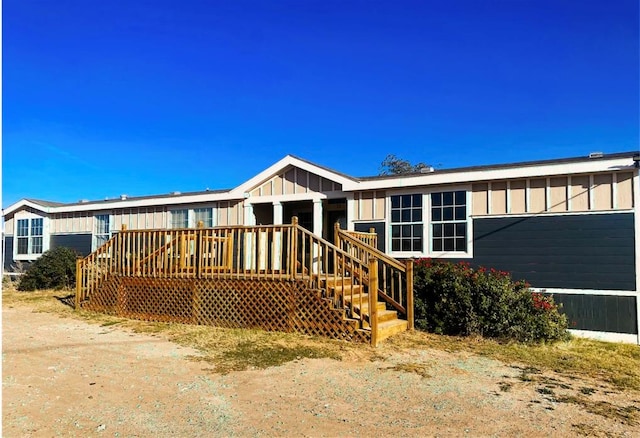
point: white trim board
(626, 338)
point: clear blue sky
(148, 97)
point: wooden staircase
(355, 301)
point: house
(568, 226)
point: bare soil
(65, 377)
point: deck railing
(395, 279)
(276, 252)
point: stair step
(387, 315)
(390, 328)
(347, 289)
(329, 281)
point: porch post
(317, 217)
(317, 230)
(277, 213)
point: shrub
(455, 299)
(54, 269)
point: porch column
(351, 206)
(249, 217)
(277, 236)
(317, 217)
(317, 230)
(277, 213)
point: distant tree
(393, 165)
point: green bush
(54, 269)
(455, 299)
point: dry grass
(239, 349)
(614, 363)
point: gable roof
(285, 163)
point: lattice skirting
(275, 305)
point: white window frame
(195, 216)
(94, 230)
(30, 255)
(174, 211)
(469, 232)
(427, 244)
(390, 225)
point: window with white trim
(30, 236)
(205, 215)
(180, 218)
(102, 230)
(407, 228)
(449, 221)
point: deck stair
(277, 277)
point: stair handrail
(93, 269)
(361, 247)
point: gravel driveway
(65, 377)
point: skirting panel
(273, 305)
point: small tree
(393, 165)
(55, 269)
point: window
(205, 215)
(103, 230)
(180, 219)
(30, 233)
(449, 221)
(406, 223)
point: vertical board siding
(8, 253)
(601, 313)
(480, 199)
(580, 193)
(594, 251)
(538, 195)
(518, 195)
(558, 202)
(560, 194)
(8, 226)
(602, 192)
(624, 190)
(498, 198)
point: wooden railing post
(336, 234)
(410, 308)
(373, 299)
(294, 247)
(198, 249)
(79, 278)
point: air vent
(123, 197)
(83, 201)
(175, 193)
(596, 155)
(427, 169)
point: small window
(103, 230)
(205, 215)
(180, 219)
(406, 223)
(449, 221)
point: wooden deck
(276, 277)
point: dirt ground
(65, 377)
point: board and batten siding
(599, 313)
(230, 213)
(561, 194)
(369, 205)
(295, 181)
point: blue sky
(147, 97)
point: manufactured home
(570, 227)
